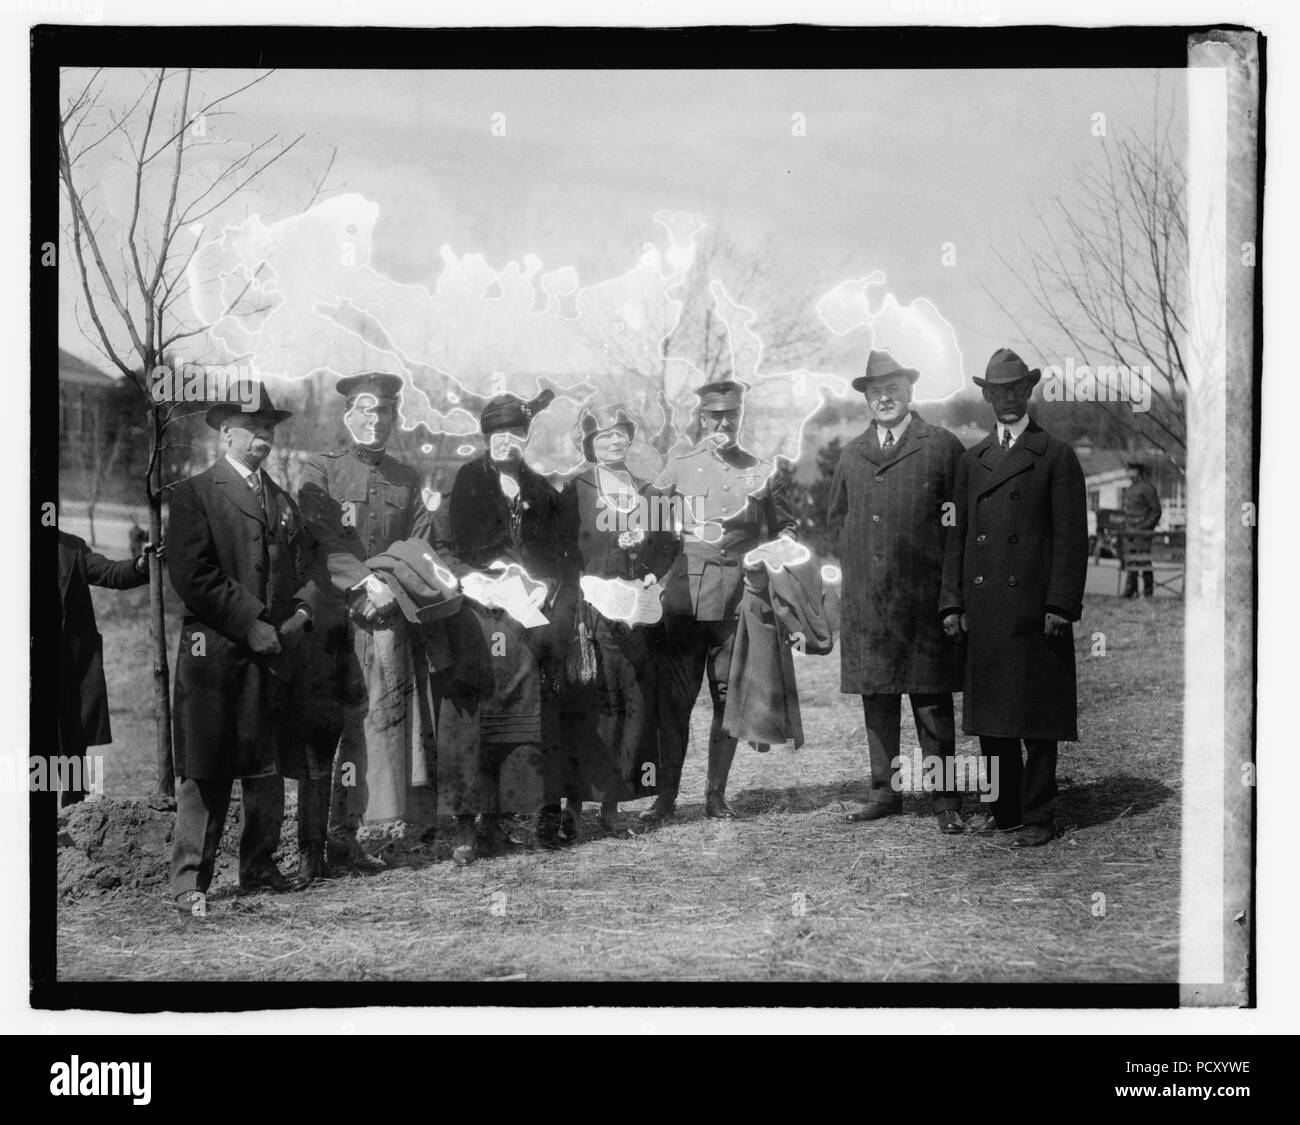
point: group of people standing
(358, 638)
(393, 648)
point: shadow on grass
(1080, 806)
(1109, 799)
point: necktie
(1006, 439)
(888, 443)
(255, 483)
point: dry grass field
(789, 893)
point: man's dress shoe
(988, 825)
(1032, 836)
(874, 809)
(346, 851)
(661, 810)
(274, 880)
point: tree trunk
(158, 631)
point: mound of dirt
(114, 845)
(117, 845)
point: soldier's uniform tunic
(728, 505)
(360, 502)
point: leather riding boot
(313, 819)
(722, 751)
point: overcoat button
(979, 580)
(1013, 539)
(1011, 581)
(875, 519)
(1015, 496)
(980, 538)
(875, 558)
(879, 477)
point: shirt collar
(1016, 428)
(242, 469)
(897, 429)
(367, 456)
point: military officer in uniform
(727, 502)
(359, 500)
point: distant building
(83, 388)
(102, 444)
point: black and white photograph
(584, 509)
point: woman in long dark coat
(607, 729)
(500, 509)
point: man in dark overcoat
(239, 564)
(1014, 573)
(888, 500)
(359, 500)
(729, 501)
(83, 694)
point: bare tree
(133, 268)
(688, 326)
(1105, 278)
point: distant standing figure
(1142, 512)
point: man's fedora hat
(384, 385)
(1005, 367)
(249, 399)
(880, 365)
(601, 419)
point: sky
(829, 175)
